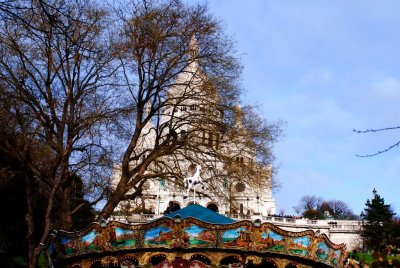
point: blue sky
(324, 67)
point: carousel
(193, 237)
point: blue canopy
(200, 213)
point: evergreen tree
(376, 230)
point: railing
(239, 216)
(135, 218)
(284, 221)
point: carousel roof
(200, 213)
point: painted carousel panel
(322, 251)
(197, 236)
(336, 257)
(270, 240)
(299, 245)
(124, 238)
(236, 238)
(158, 236)
(90, 242)
(70, 245)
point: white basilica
(218, 190)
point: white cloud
(387, 89)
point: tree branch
(374, 131)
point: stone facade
(220, 191)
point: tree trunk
(66, 213)
(108, 208)
(29, 219)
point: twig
(381, 152)
(375, 130)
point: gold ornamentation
(175, 243)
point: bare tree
(181, 73)
(23, 11)
(341, 210)
(311, 206)
(156, 85)
(310, 202)
(56, 93)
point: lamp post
(258, 204)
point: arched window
(172, 206)
(213, 207)
(175, 206)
